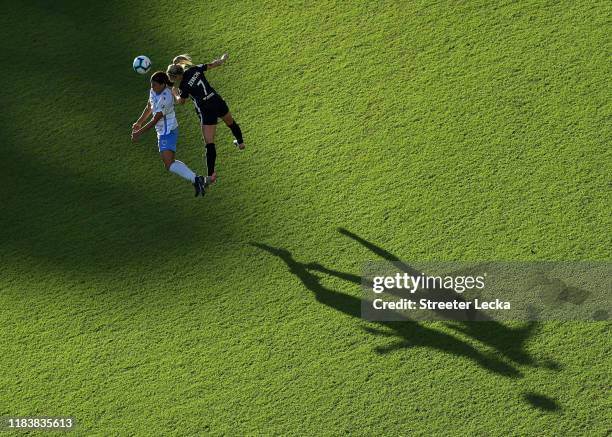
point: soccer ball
(141, 64)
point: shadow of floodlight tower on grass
(509, 342)
(411, 334)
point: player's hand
(135, 136)
(175, 91)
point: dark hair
(161, 77)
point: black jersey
(195, 85)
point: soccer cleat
(200, 186)
(239, 146)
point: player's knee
(168, 163)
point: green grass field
(475, 130)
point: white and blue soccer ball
(141, 64)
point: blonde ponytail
(183, 60)
(179, 65)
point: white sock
(179, 168)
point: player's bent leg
(227, 118)
(181, 169)
(167, 157)
(235, 128)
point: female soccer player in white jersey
(191, 82)
(161, 107)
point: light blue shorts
(168, 142)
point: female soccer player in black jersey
(190, 81)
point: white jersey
(164, 103)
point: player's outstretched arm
(145, 114)
(217, 62)
(137, 133)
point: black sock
(236, 131)
(211, 156)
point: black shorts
(211, 110)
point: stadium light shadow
(409, 333)
(506, 340)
